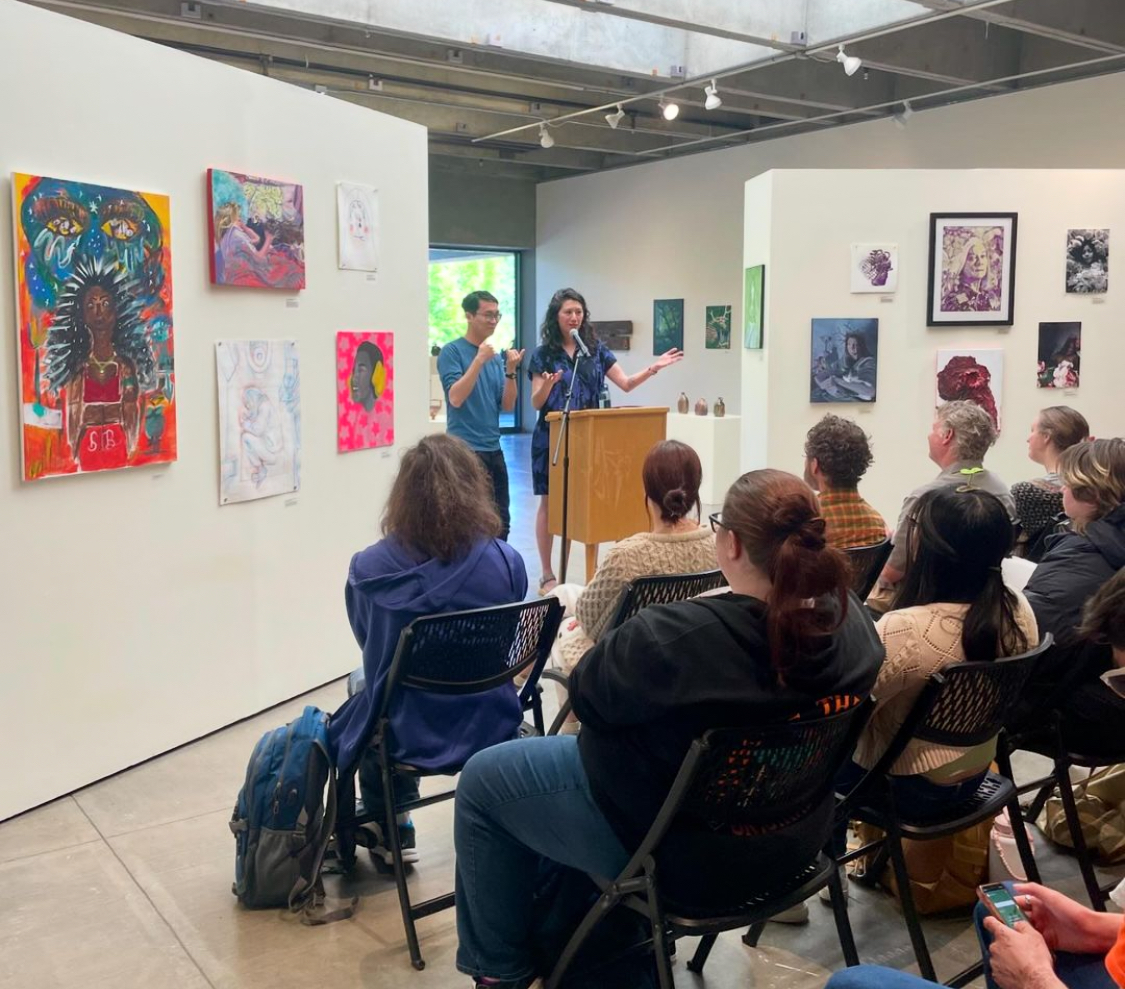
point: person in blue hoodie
(439, 553)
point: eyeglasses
(716, 521)
(491, 317)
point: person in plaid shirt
(837, 455)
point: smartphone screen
(997, 898)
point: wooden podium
(607, 496)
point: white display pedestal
(717, 443)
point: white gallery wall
(811, 218)
(137, 614)
(673, 229)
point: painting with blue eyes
(94, 298)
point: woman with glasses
(788, 641)
(552, 374)
(439, 552)
(951, 607)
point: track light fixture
(613, 119)
(670, 110)
(712, 92)
(850, 63)
(903, 115)
(545, 139)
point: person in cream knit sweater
(951, 607)
(677, 543)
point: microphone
(582, 349)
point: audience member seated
(1063, 945)
(676, 543)
(951, 607)
(788, 641)
(837, 455)
(1074, 568)
(1039, 502)
(960, 437)
(439, 553)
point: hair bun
(811, 532)
(676, 503)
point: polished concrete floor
(126, 883)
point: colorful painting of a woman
(972, 269)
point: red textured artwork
(365, 392)
(973, 375)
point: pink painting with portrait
(365, 394)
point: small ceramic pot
(682, 404)
(701, 407)
(720, 408)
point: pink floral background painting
(365, 394)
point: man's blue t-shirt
(477, 421)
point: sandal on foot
(547, 578)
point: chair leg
(753, 932)
(702, 950)
(606, 902)
(345, 823)
(1081, 850)
(659, 932)
(1015, 817)
(843, 922)
(395, 841)
(909, 912)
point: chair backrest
(966, 704)
(867, 563)
(766, 777)
(469, 652)
(663, 589)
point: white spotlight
(545, 139)
(850, 63)
(670, 110)
(712, 92)
(903, 115)
(613, 119)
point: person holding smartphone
(1061, 945)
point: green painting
(718, 328)
(667, 325)
(754, 307)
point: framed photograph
(972, 279)
(1087, 261)
(874, 268)
(845, 360)
(1060, 355)
(718, 328)
(754, 307)
(667, 325)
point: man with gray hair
(960, 437)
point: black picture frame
(952, 298)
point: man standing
(837, 455)
(959, 438)
(478, 383)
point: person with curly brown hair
(837, 455)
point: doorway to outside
(454, 274)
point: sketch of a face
(359, 226)
(976, 261)
(259, 355)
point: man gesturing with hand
(478, 384)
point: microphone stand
(564, 442)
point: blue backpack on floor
(281, 822)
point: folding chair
(635, 597)
(463, 652)
(963, 705)
(766, 779)
(867, 563)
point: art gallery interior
(153, 629)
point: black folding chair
(766, 779)
(867, 563)
(963, 705)
(463, 652)
(1050, 742)
(635, 597)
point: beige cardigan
(920, 641)
(641, 555)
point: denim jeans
(519, 803)
(1074, 971)
(371, 786)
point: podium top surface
(622, 412)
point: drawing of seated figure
(262, 440)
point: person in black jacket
(788, 641)
(1074, 568)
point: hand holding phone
(1001, 903)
